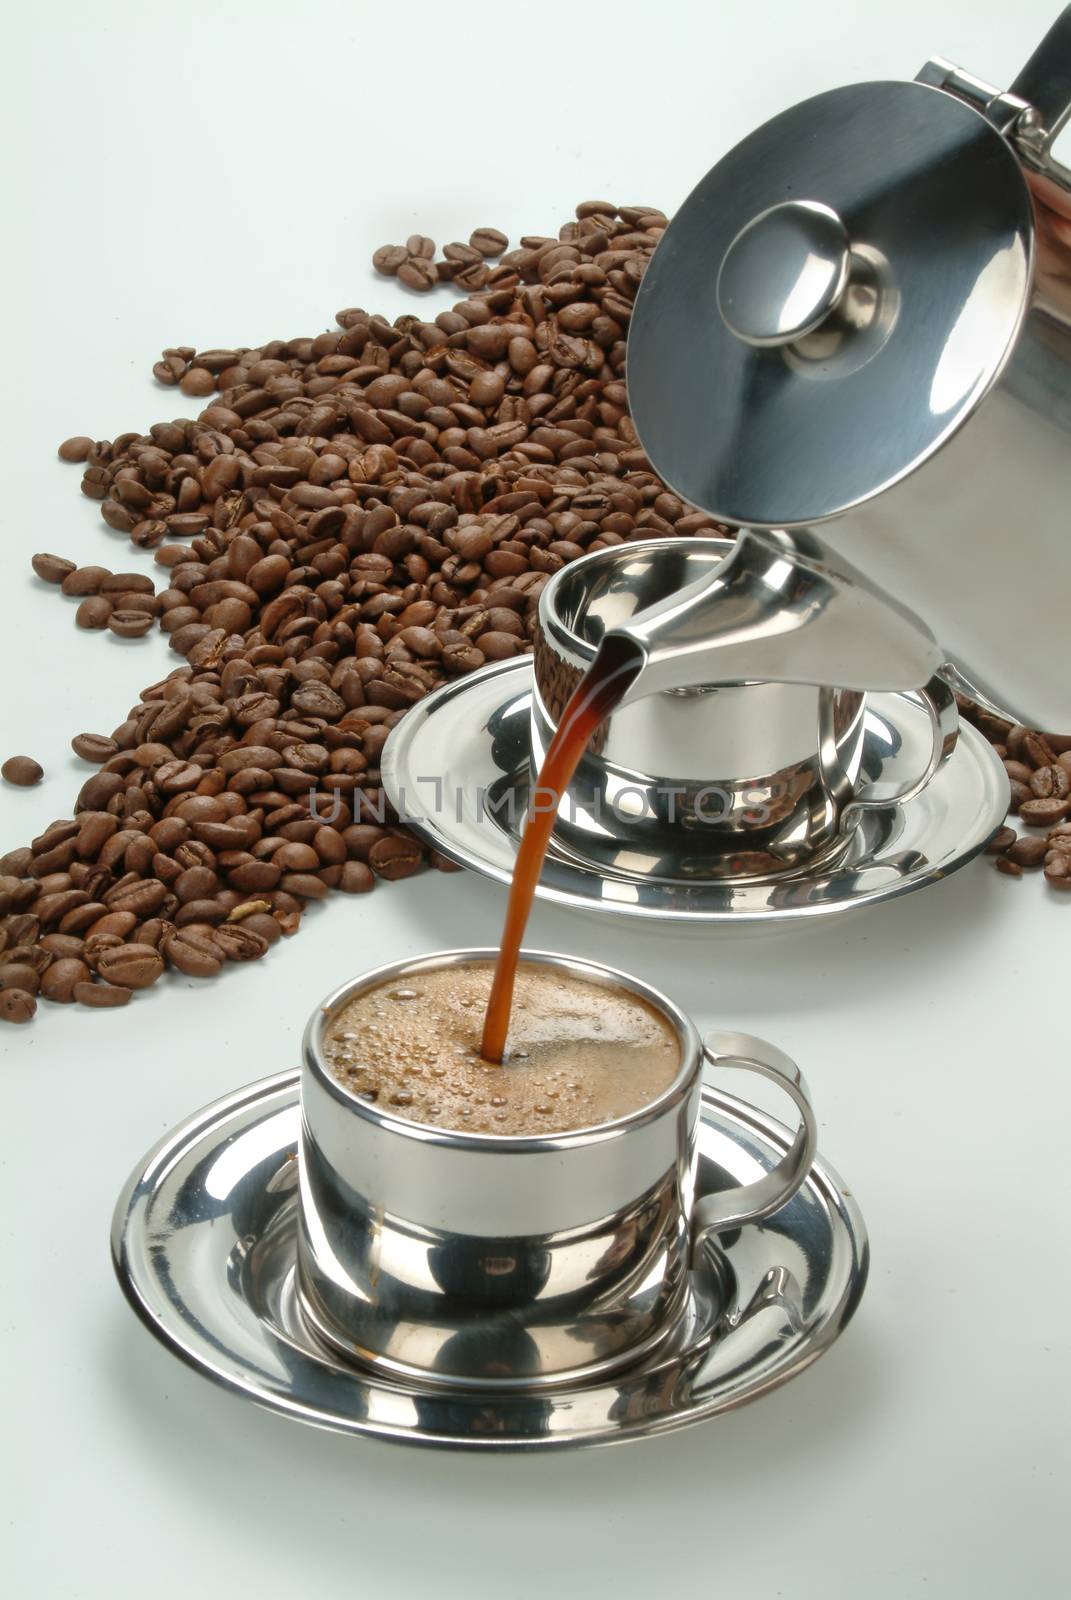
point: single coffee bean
(395, 857)
(16, 1005)
(417, 273)
(22, 771)
(20, 975)
(442, 863)
(95, 747)
(1041, 812)
(52, 569)
(1052, 782)
(63, 946)
(388, 258)
(194, 951)
(59, 979)
(1010, 868)
(1029, 851)
(75, 449)
(131, 966)
(1001, 841)
(197, 381)
(356, 878)
(94, 612)
(488, 241)
(101, 994)
(462, 254)
(240, 942)
(420, 246)
(130, 624)
(83, 581)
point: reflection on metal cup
(755, 775)
(472, 1258)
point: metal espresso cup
(490, 1260)
(730, 780)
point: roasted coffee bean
(388, 258)
(101, 994)
(62, 946)
(395, 857)
(356, 878)
(83, 581)
(194, 951)
(488, 241)
(95, 747)
(94, 612)
(1010, 868)
(1001, 841)
(129, 624)
(20, 975)
(239, 942)
(1040, 813)
(59, 979)
(1029, 851)
(417, 273)
(22, 771)
(76, 449)
(131, 966)
(52, 569)
(16, 1005)
(266, 925)
(420, 246)
(1051, 782)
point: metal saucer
(457, 768)
(203, 1243)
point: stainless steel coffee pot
(855, 339)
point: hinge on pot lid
(999, 106)
(1035, 108)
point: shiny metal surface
(204, 1243)
(933, 195)
(731, 727)
(931, 444)
(765, 765)
(458, 767)
(486, 1261)
(783, 274)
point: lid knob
(784, 273)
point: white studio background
(215, 174)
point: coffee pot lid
(830, 303)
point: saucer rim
(433, 833)
(219, 1117)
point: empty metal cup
(473, 1258)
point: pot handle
(1045, 82)
(731, 1208)
(939, 703)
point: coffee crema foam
(578, 1053)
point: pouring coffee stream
(776, 608)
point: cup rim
(550, 618)
(458, 1138)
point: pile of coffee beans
(1039, 771)
(363, 515)
(353, 519)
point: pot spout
(779, 608)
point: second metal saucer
(457, 769)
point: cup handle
(731, 1208)
(939, 703)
